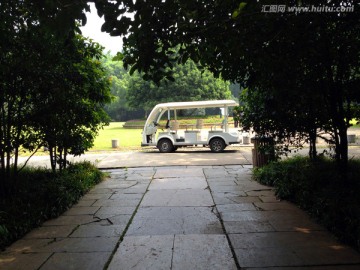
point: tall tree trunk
(65, 157)
(61, 165)
(52, 153)
(343, 148)
(312, 150)
(7, 145)
(340, 138)
(15, 164)
(8, 162)
(342, 128)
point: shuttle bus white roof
(196, 104)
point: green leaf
(235, 14)
(242, 5)
(118, 57)
(133, 69)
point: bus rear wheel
(217, 145)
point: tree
(132, 94)
(316, 75)
(189, 84)
(119, 109)
(44, 78)
(69, 110)
(289, 120)
(18, 78)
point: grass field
(128, 138)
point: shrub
(38, 194)
(320, 188)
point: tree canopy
(189, 84)
(118, 109)
(132, 94)
(52, 88)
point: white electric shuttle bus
(171, 137)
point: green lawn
(355, 124)
(128, 138)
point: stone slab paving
(180, 217)
(176, 226)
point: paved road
(180, 217)
(233, 155)
(152, 157)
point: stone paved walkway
(195, 217)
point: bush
(37, 195)
(329, 195)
